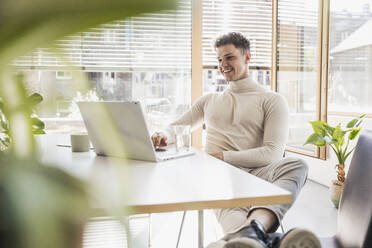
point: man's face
(232, 63)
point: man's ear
(247, 57)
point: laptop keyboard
(166, 153)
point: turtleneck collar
(247, 84)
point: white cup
(80, 142)
(182, 137)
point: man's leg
(288, 173)
(266, 217)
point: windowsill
(63, 125)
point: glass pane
(350, 57)
(251, 17)
(145, 58)
(163, 95)
(297, 65)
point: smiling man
(247, 126)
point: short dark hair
(235, 38)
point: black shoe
(295, 238)
(252, 236)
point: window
(251, 17)
(297, 63)
(145, 58)
(350, 74)
(350, 61)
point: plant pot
(336, 190)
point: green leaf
(329, 129)
(4, 125)
(338, 135)
(352, 123)
(37, 123)
(347, 155)
(354, 133)
(360, 120)
(38, 132)
(316, 139)
(319, 127)
(329, 140)
(356, 122)
(34, 99)
(5, 141)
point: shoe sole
(243, 243)
(300, 238)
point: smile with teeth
(226, 70)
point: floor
(313, 210)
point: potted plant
(338, 139)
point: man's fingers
(163, 141)
(159, 139)
(155, 140)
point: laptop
(119, 129)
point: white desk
(192, 183)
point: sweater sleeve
(276, 129)
(195, 116)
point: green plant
(37, 126)
(337, 138)
(26, 185)
(41, 206)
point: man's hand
(159, 140)
(218, 155)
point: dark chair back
(354, 227)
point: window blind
(251, 17)
(297, 34)
(156, 41)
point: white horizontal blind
(156, 41)
(297, 34)
(251, 17)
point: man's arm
(275, 137)
(194, 117)
(218, 155)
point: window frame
(322, 78)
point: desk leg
(201, 228)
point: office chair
(354, 225)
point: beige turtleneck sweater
(247, 122)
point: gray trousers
(288, 173)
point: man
(247, 126)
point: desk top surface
(190, 183)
